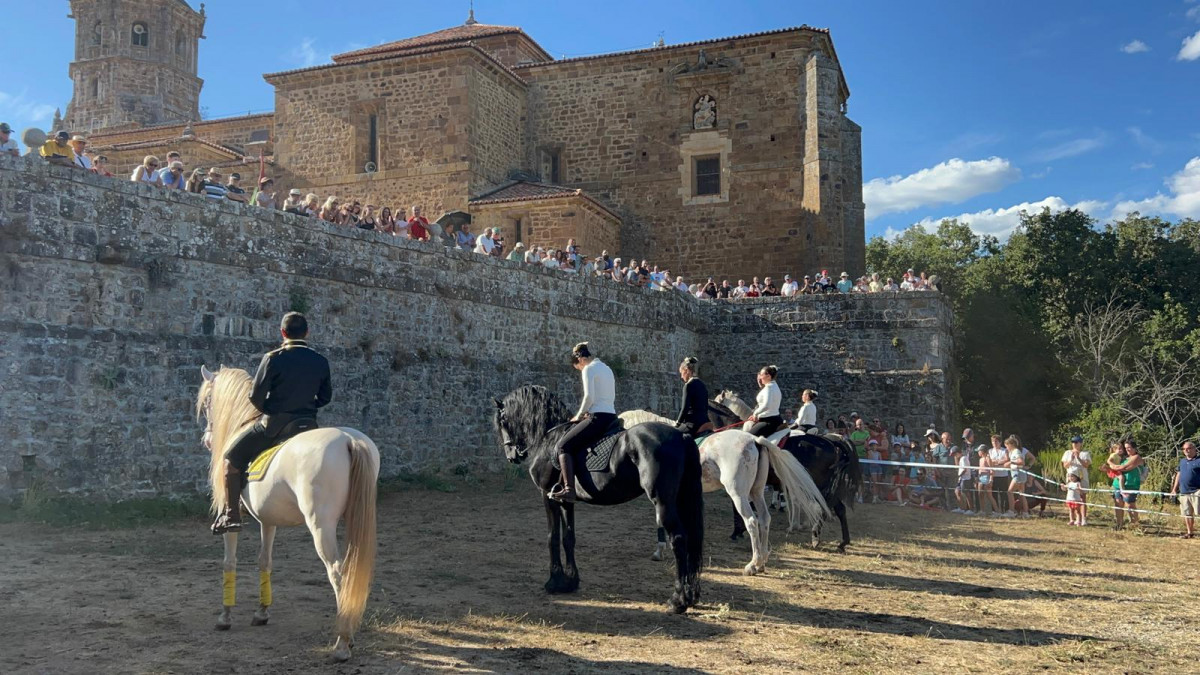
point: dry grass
(459, 589)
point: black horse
(830, 460)
(653, 459)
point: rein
(729, 426)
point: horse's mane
(229, 412)
(531, 410)
(730, 395)
(631, 418)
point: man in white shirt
(78, 143)
(998, 456)
(679, 285)
(789, 286)
(740, 290)
(8, 145)
(484, 243)
(907, 284)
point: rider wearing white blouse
(596, 413)
(766, 416)
(806, 421)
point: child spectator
(985, 481)
(962, 490)
(1016, 485)
(1074, 499)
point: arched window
(98, 34)
(141, 35)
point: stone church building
(729, 157)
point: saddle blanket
(598, 455)
(258, 468)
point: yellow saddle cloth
(258, 468)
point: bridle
(206, 439)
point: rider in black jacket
(292, 382)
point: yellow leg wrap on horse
(264, 589)
(229, 588)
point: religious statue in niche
(705, 113)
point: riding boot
(566, 493)
(230, 519)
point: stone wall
(112, 294)
(550, 223)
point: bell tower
(135, 63)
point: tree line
(1070, 327)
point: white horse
(739, 463)
(317, 478)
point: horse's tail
(359, 564)
(846, 479)
(691, 507)
(804, 500)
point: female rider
(693, 413)
(595, 416)
(766, 416)
(806, 421)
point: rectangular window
(554, 164)
(373, 141)
(708, 176)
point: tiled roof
(407, 52)
(165, 125)
(675, 46)
(525, 191)
(172, 141)
(456, 34)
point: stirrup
(561, 495)
(224, 523)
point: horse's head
(522, 418)
(506, 431)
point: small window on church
(708, 176)
(552, 165)
(373, 141)
(180, 44)
(141, 35)
(98, 34)
(95, 87)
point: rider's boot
(566, 493)
(230, 519)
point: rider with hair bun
(806, 420)
(693, 412)
(597, 411)
(766, 417)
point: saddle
(258, 467)
(600, 453)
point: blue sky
(968, 107)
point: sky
(969, 109)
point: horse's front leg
(228, 582)
(569, 546)
(263, 615)
(557, 583)
(840, 510)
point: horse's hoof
(657, 556)
(341, 651)
(223, 626)
(676, 606)
(841, 548)
(257, 621)
(750, 570)
(224, 620)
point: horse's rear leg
(325, 538)
(668, 519)
(263, 615)
(759, 502)
(741, 502)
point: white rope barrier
(997, 493)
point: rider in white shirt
(597, 411)
(766, 417)
(806, 420)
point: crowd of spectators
(173, 174)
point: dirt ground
(458, 588)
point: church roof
(449, 36)
(524, 191)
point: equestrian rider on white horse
(292, 382)
(766, 418)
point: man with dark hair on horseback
(292, 382)
(597, 411)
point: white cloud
(1042, 174)
(1135, 47)
(305, 54)
(21, 111)
(1182, 201)
(1070, 148)
(950, 182)
(1142, 166)
(1001, 222)
(1190, 51)
(1145, 141)
(1194, 13)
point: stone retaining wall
(112, 294)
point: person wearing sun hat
(844, 284)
